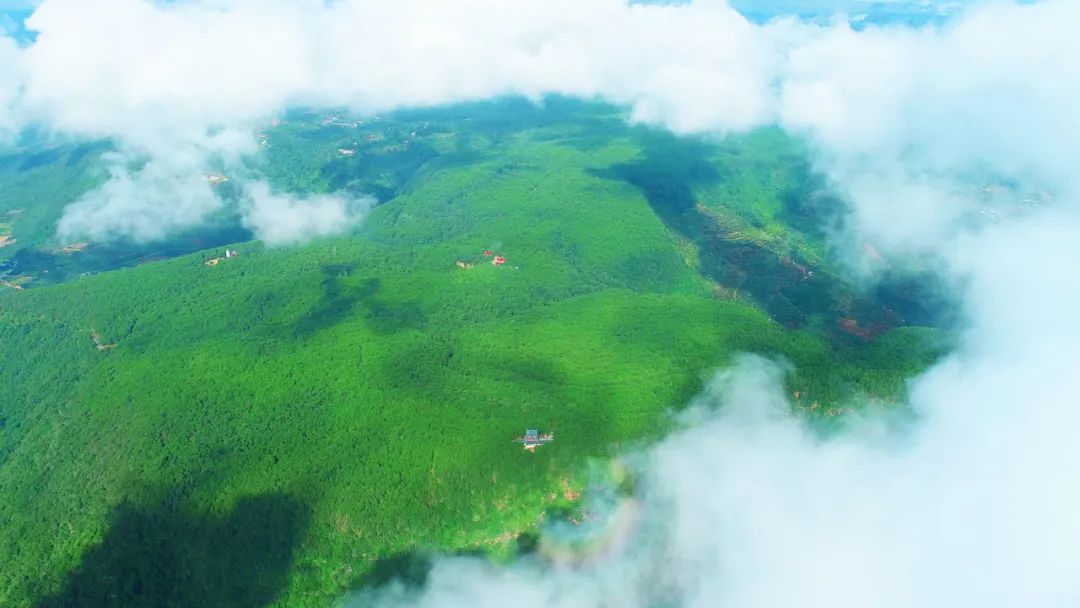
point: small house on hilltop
(74, 248)
(533, 439)
(229, 253)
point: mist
(143, 201)
(282, 219)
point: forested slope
(277, 428)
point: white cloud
(989, 93)
(111, 66)
(912, 124)
(142, 204)
(283, 219)
(158, 77)
(156, 188)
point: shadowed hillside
(165, 557)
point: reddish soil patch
(863, 332)
(74, 248)
(568, 492)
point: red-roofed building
(499, 260)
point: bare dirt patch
(568, 492)
(74, 248)
(863, 332)
(501, 539)
(101, 346)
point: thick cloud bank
(161, 76)
(908, 122)
(133, 67)
(909, 115)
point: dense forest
(286, 425)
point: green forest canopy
(279, 428)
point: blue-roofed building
(533, 439)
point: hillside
(282, 427)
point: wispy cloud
(283, 219)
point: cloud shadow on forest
(342, 298)
(791, 289)
(165, 556)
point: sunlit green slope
(280, 427)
